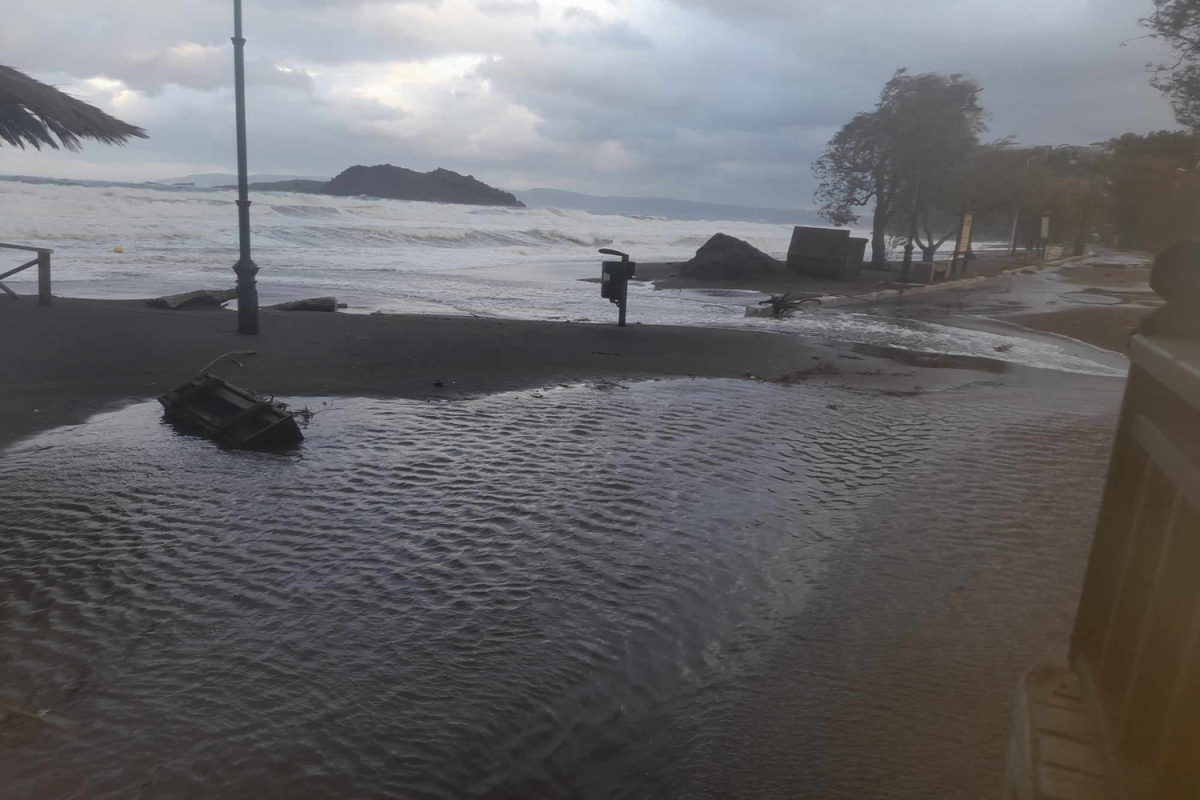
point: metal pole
(1081, 237)
(906, 269)
(958, 242)
(624, 301)
(245, 268)
(1012, 241)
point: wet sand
(1107, 277)
(882, 665)
(70, 360)
(1104, 326)
(665, 275)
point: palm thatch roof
(32, 113)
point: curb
(1044, 265)
(837, 300)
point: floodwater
(667, 589)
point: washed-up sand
(65, 362)
(1103, 326)
(665, 275)
(1126, 279)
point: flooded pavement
(1058, 317)
(665, 589)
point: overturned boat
(230, 415)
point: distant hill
(298, 185)
(211, 180)
(398, 183)
(664, 207)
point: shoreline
(76, 358)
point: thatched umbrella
(33, 113)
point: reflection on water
(568, 592)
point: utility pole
(906, 269)
(1081, 236)
(245, 268)
(1012, 241)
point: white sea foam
(423, 258)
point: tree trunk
(929, 251)
(879, 237)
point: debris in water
(230, 415)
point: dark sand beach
(79, 356)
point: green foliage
(1153, 189)
(1177, 22)
(923, 124)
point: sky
(726, 101)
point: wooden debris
(311, 304)
(201, 298)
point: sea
(127, 241)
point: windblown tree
(1177, 22)
(1152, 188)
(923, 125)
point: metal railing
(1136, 641)
(42, 261)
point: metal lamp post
(906, 269)
(246, 269)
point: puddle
(567, 592)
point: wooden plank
(12, 272)
(8, 246)
(9, 292)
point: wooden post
(43, 262)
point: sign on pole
(962, 243)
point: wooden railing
(43, 264)
(1136, 641)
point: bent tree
(923, 125)
(1177, 22)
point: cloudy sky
(718, 100)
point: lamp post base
(247, 297)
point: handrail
(1136, 642)
(26, 247)
(43, 264)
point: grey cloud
(618, 34)
(510, 7)
(575, 12)
(721, 100)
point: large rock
(825, 252)
(439, 186)
(728, 258)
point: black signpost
(614, 281)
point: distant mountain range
(438, 186)
(664, 207)
(211, 180)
